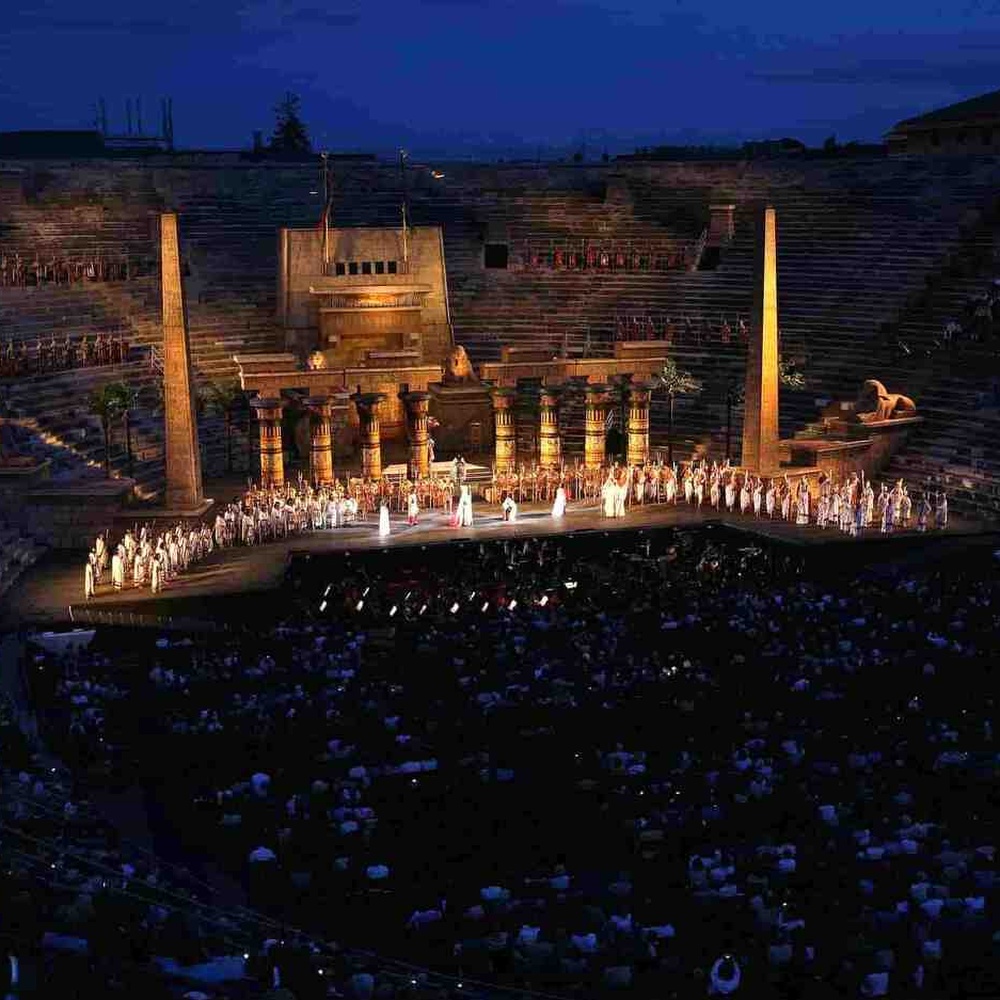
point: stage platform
(53, 587)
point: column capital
(268, 403)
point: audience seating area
(701, 750)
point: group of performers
(20, 272)
(52, 356)
(266, 514)
(143, 558)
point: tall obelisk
(183, 457)
(760, 420)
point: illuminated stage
(47, 592)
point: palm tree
(676, 382)
(127, 400)
(223, 398)
(107, 404)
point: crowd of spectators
(665, 762)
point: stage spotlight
(392, 610)
(544, 600)
(486, 604)
(512, 605)
(326, 593)
(365, 594)
(361, 604)
(322, 606)
(454, 607)
(473, 594)
(570, 585)
(423, 609)
(407, 595)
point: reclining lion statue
(458, 368)
(876, 403)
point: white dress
(559, 507)
(383, 520)
(608, 492)
(465, 508)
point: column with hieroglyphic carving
(504, 430)
(760, 410)
(320, 439)
(371, 435)
(549, 442)
(595, 425)
(637, 424)
(272, 454)
(417, 406)
(183, 453)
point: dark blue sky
(493, 77)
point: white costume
(559, 507)
(509, 509)
(465, 508)
(88, 580)
(383, 520)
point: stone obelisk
(183, 457)
(760, 420)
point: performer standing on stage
(383, 519)
(412, 507)
(509, 507)
(559, 506)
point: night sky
(475, 78)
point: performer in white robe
(383, 520)
(608, 491)
(465, 508)
(412, 507)
(802, 505)
(769, 498)
(559, 506)
(88, 580)
(758, 497)
(117, 571)
(509, 507)
(156, 578)
(745, 497)
(731, 493)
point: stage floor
(46, 592)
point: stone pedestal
(595, 426)
(760, 420)
(549, 441)
(320, 439)
(504, 430)
(272, 454)
(367, 404)
(637, 425)
(417, 409)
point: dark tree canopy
(290, 135)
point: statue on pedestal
(876, 403)
(458, 369)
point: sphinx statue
(458, 368)
(876, 403)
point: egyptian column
(637, 425)
(549, 444)
(272, 455)
(760, 421)
(417, 406)
(595, 425)
(320, 439)
(183, 455)
(371, 438)
(505, 433)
